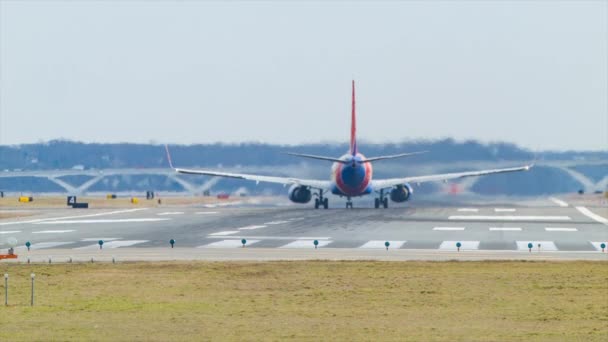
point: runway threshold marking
(306, 244)
(468, 210)
(10, 232)
(558, 202)
(114, 244)
(592, 215)
(505, 229)
(228, 243)
(252, 227)
(465, 245)
(73, 217)
(544, 245)
(380, 244)
(508, 218)
(504, 210)
(43, 245)
(105, 221)
(560, 229)
(448, 228)
(205, 212)
(53, 231)
(227, 232)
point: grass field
(309, 300)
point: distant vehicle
(223, 196)
(351, 176)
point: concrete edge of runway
(274, 254)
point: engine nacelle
(300, 194)
(401, 193)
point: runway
(414, 232)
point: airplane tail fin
(169, 156)
(353, 126)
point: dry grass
(308, 300)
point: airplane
(351, 176)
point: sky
(533, 73)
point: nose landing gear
(349, 203)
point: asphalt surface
(414, 232)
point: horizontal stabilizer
(367, 160)
(337, 160)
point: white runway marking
(505, 228)
(97, 239)
(544, 245)
(509, 218)
(227, 232)
(558, 229)
(276, 222)
(465, 245)
(114, 244)
(73, 217)
(469, 209)
(105, 221)
(228, 244)
(270, 237)
(380, 244)
(210, 206)
(43, 245)
(53, 231)
(448, 228)
(306, 244)
(592, 215)
(504, 210)
(10, 232)
(205, 212)
(251, 227)
(558, 202)
(598, 245)
(296, 219)
(171, 213)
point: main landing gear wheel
(321, 201)
(385, 203)
(376, 203)
(381, 200)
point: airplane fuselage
(352, 178)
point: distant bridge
(466, 184)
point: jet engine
(401, 193)
(300, 194)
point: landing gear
(321, 201)
(349, 203)
(381, 200)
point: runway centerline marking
(451, 245)
(469, 209)
(306, 244)
(10, 232)
(592, 215)
(73, 217)
(205, 212)
(560, 229)
(505, 229)
(508, 218)
(251, 227)
(380, 244)
(227, 232)
(105, 221)
(270, 237)
(228, 243)
(171, 213)
(558, 202)
(504, 210)
(53, 231)
(544, 245)
(448, 228)
(97, 239)
(114, 244)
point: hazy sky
(530, 72)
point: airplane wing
(387, 183)
(313, 183)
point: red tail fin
(353, 126)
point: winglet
(169, 156)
